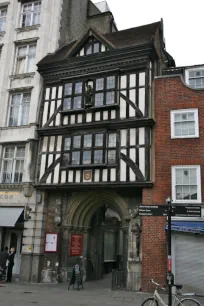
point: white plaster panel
(52, 108)
(59, 143)
(80, 118)
(89, 117)
(48, 181)
(142, 100)
(52, 143)
(56, 174)
(42, 166)
(44, 147)
(123, 138)
(103, 48)
(97, 116)
(123, 81)
(57, 120)
(142, 160)
(50, 160)
(78, 176)
(123, 108)
(54, 89)
(133, 80)
(113, 114)
(105, 175)
(82, 52)
(122, 171)
(63, 177)
(60, 92)
(141, 136)
(70, 176)
(113, 175)
(132, 137)
(132, 175)
(105, 115)
(97, 175)
(142, 79)
(45, 112)
(47, 95)
(72, 121)
(65, 120)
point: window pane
(193, 193)
(9, 152)
(20, 153)
(191, 116)
(31, 63)
(18, 173)
(36, 18)
(67, 143)
(98, 157)
(67, 104)
(20, 65)
(110, 82)
(99, 98)
(112, 140)
(110, 97)
(186, 177)
(78, 88)
(7, 171)
(77, 102)
(68, 89)
(177, 117)
(193, 176)
(76, 158)
(99, 140)
(65, 161)
(179, 176)
(99, 84)
(77, 142)
(14, 110)
(25, 114)
(89, 49)
(87, 141)
(87, 157)
(26, 19)
(191, 128)
(111, 156)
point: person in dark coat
(10, 265)
(3, 260)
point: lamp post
(170, 277)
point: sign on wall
(51, 241)
(76, 245)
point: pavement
(94, 294)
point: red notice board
(76, 245)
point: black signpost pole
(170, 275)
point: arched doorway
(101, 218)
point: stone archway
(84, 206)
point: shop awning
(187, 226)
(9, 216)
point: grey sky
(183, 24)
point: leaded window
(92, 46)
(86, 149)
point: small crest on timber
(87, 175)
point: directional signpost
(169, 211)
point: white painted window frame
(180, 111)
(187, 78)
(32, 14)
(14, 163)
(4, 17)
(173, 183)
(20, 114)
(26, 56)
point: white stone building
(29, 30)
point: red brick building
(178, 172)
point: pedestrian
(10, 264)
(3, 261)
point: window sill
(185, 137)
(29, 28)
(22, 76)
(89, 166)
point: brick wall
(170, 94)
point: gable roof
(118, 40)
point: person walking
(10, 264)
